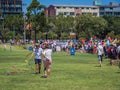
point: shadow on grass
(118, 72)
(97, 66)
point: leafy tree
(113, 24)
(111, 34)
(64, 24)
(36, 16)
(90, 25)
(65, 36)
(14, 23)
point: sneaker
(44, 76)
(36, 72)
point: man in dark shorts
(38, 58)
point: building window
(11, 5)
(18, 5)
(18, 10)
(60, 13)
(76, 8)
(82, 8)
(101, 13)
(108, 13)
(77, 14)
(64, 7)
(72, 13)
(65, 13)
(94, 8)
(87, 8)
(11, 10)
(94, 14)
(117, 13)
(58, 7)
(102, 8)
(70, 7)
(111, 8)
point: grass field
(79, 72)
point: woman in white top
(100, 53)
(47, 61)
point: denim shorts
(99, 57)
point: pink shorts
(47, 63)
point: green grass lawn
(79, 72)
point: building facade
(75, 10)
(112, 9)
(71, 10)
(10, 7)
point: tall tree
(35, 10)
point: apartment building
(72, 10)
(10, 7)
(111, 9)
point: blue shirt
(38, 53)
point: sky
(68, 2)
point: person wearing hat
(37, 51)
(100, 53)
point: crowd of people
(108, 48)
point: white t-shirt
(48, 54)
(100, 49)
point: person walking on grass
(47, 54)
(100, 53)
(37, 52)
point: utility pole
(24, 28)
(24, 33)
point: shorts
(37, 61)
(47, 63)
(100, 58)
